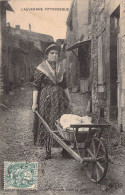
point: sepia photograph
(62, 97)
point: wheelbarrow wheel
(97, 169)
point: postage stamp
(20, 175)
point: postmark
(20, 175)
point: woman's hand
(34, 107)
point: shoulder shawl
(46, 68)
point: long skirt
(53, 103)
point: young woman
(50, 96)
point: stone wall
(82, 9)
(3, 50)
(101, 26)
(122, 66)
(100, 64)
(72, 37)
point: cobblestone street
(58, 175)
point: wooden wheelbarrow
(93, 152)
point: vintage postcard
(62, 97)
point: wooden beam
(90, 125)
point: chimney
(17, 27)
(30, 27)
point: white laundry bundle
(67, 119)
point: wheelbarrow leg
(48, 147)
(64, 152)
(76, 134)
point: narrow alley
(58, 175)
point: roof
(39, 36)
(7, 6)
(19, 38)
(79, 44)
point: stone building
(4, 6)
(105, 29)
(78, 46)
(107, 60)
(25, 52)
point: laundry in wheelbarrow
(69, 119)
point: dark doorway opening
(84, 60)
(84, 57)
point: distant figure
(50, 96)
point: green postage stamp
(20, 175)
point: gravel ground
(58, 175)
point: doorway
(84, 53)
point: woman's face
(52, 56)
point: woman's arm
(35, 100)
(35, 96)
(37, 88)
